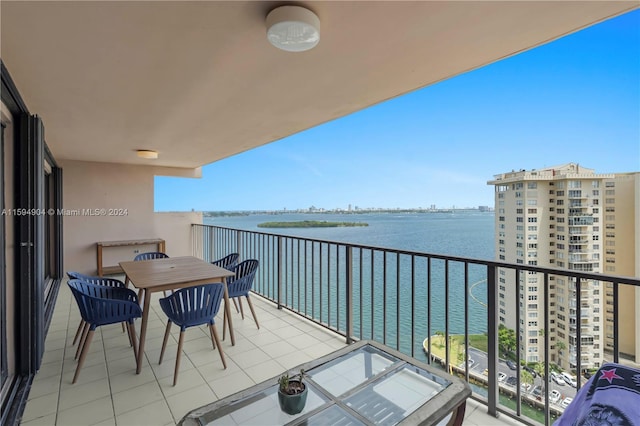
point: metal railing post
(239, 242)
(280, 266)
(492, 341)
(578, 333)
(547, 417)
(349, 301)
(616, 324)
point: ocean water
(461, 233)
(468, 234)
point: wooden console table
(100, 245)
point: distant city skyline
(576, 99)
(354, 209)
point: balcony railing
(401, 298)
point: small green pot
(292, 404)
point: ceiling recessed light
(293, 28)
(147, 153)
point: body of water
(461, 233)
(467, 234)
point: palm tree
(526, 377)
(538, 367)
(561, 346)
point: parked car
(569, 379)
(470, 363)
(501, 377)
(557, 378)
(537, 393)
(565, 402)
(512, 365)
(512, 381)
(530, 370)
(525, 387)
(485, 372)
(554, 396)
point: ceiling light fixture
(147, 153)
(293, 28)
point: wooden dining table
(151, 276)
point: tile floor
(108, 392)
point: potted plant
(292, 392)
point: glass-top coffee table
(365, 383)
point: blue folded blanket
(610, 397)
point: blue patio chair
(101, 305)
(148, 256)
(240, 285)
(227, 262)
(189, 307)
(109, 282)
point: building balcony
(329, 293)
(109, 392)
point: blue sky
(573, 100)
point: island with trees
(310, 224)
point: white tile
(199, 344)
(204, 357)
(129, 379)
(318, 350)
(186, 380)
(265, 337)
(231, 384)
(52, 355)
(92, 412)
(80, 394)
(109, 422)
(250, 358)
(278, 348)
(156, 413)
(289, 332)
(44, 386)
(88, 373)
(302, 341)
(214, 371)
(265, 371)
(41, 421)
(241, 346)
(121, 365)
(42, 406)
(184, 402)
(293, 359)
(52, 369)
(133, 398)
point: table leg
(227, 310)
(457, 416)
(143, 329)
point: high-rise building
(569, 217)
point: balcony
(109, 392)
(329, 293)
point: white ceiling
(198, 81)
